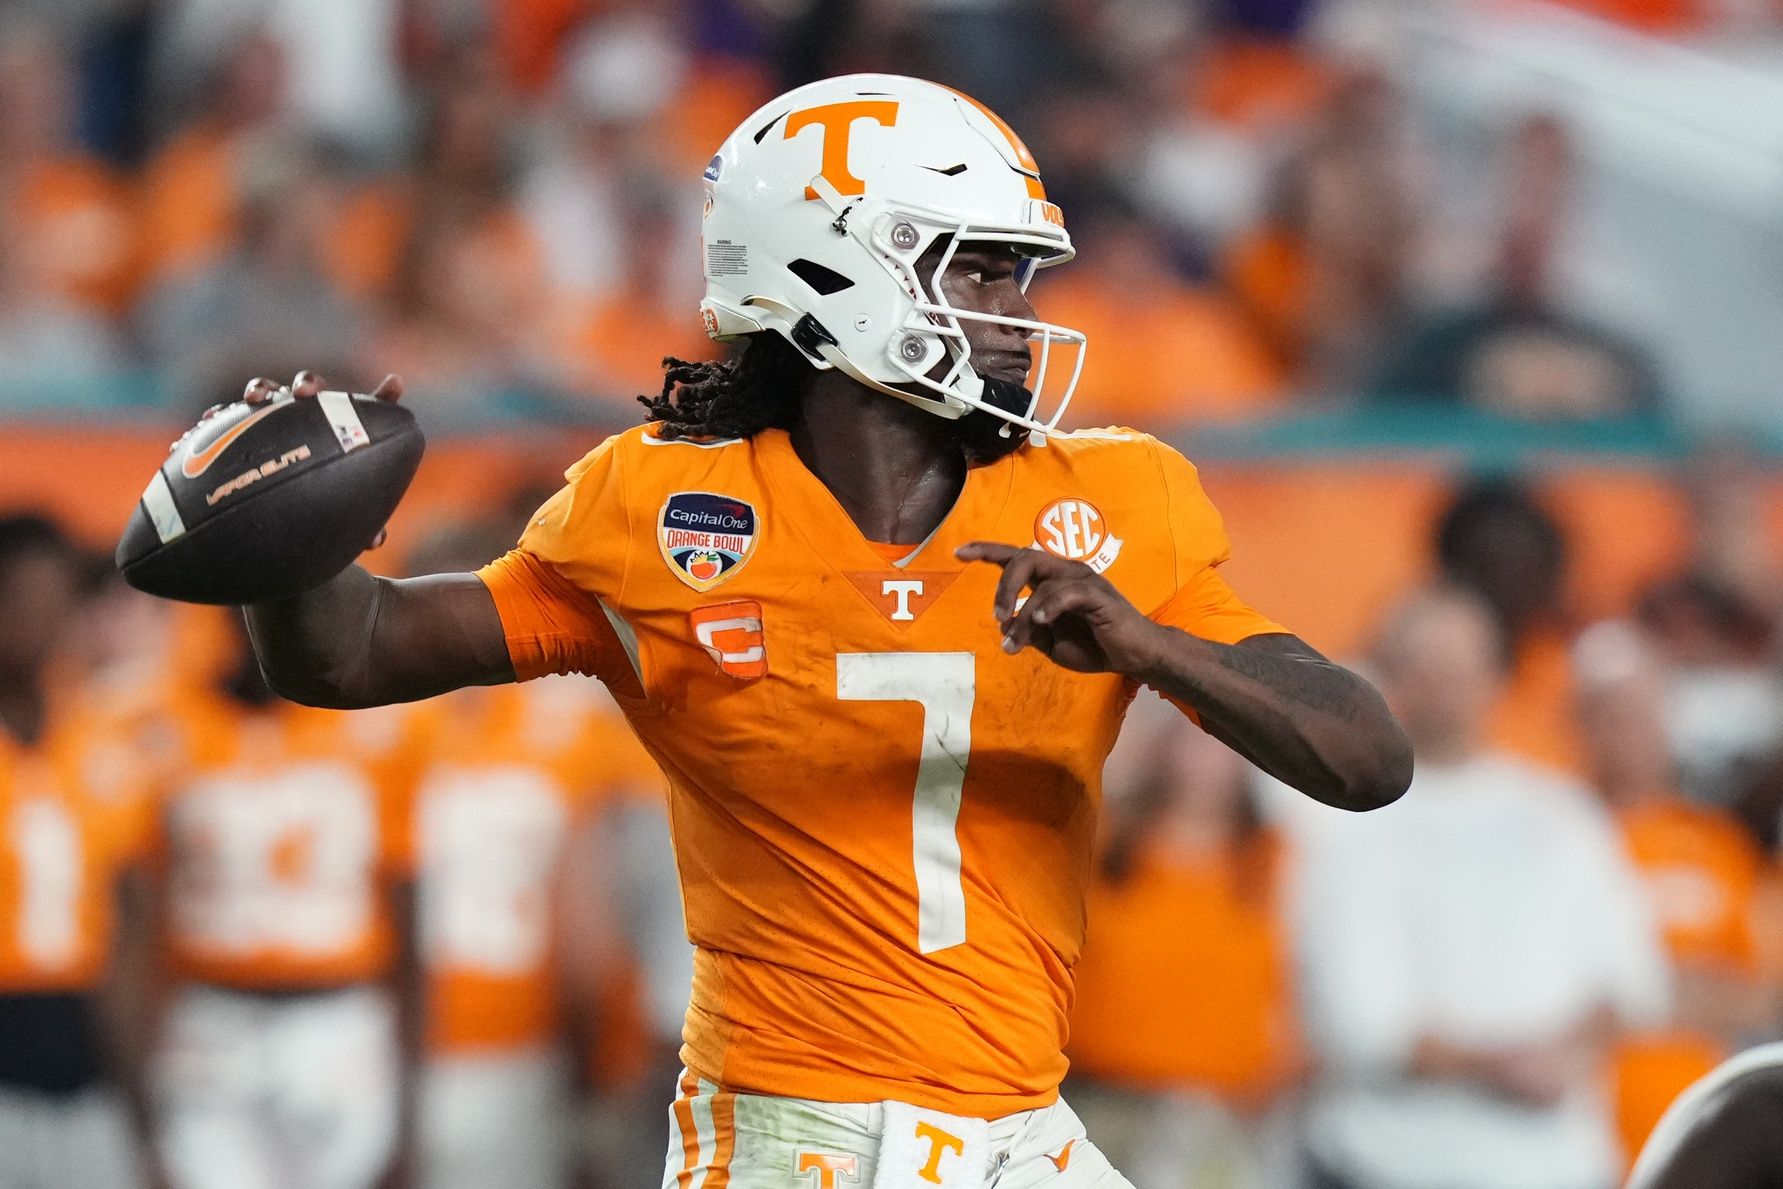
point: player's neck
(895, 469)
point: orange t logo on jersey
(940, 1143)
(830, 1168)
(902, 596)
(837, 123)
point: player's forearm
(1310, 723)
(359, 640)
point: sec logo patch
(1075, 530)
(705, 537)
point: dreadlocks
(736, 398)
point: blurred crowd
(499, 199)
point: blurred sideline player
(1723, 1132)
(1701, 871)
(289, 1052)
(73, 1111)
(883, 772)
(512, 778)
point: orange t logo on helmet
(837, 123)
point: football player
(803, 581)
(74, 927)
(290, 1049)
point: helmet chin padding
(988, 435)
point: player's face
(985, 279)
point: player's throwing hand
(306, 385)
(1074, 616)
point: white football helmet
(818, 208)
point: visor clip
(840, 226)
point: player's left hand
(1074, 616)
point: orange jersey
(279, 841)
(883, 822)
(1187, 979)
(71, 815)
(509, 773)
(1702, 874)
(1702, 871)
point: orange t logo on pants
(940, 1142)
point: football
(263, 502)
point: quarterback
(878, 620)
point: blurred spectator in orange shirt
(72, 215)
(267, 305)
(1183, 1036)
(1497, 541)
(1517, 353)
(1701, 872)
(1326, 276)
(1162, 351)
(191, 188)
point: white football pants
(496, 1121)
(747, 1141)
(292, 1093)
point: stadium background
(1379, 268)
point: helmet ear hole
(824, 281)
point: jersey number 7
(944, 684)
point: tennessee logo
(828, 1170)
(1074, 530)
(940, 1144)
(1063, 1160)
(902, 596)
(705, 538)
(835, 122)
(731, 634)
(198, 461)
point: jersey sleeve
(1203, 604)
(549, 590)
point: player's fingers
(994, 552)
(1050, 600)
(389, 388)
(1017, 573)
(1058, 599)
(258, 392)
(306, 384)
(378, 541)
